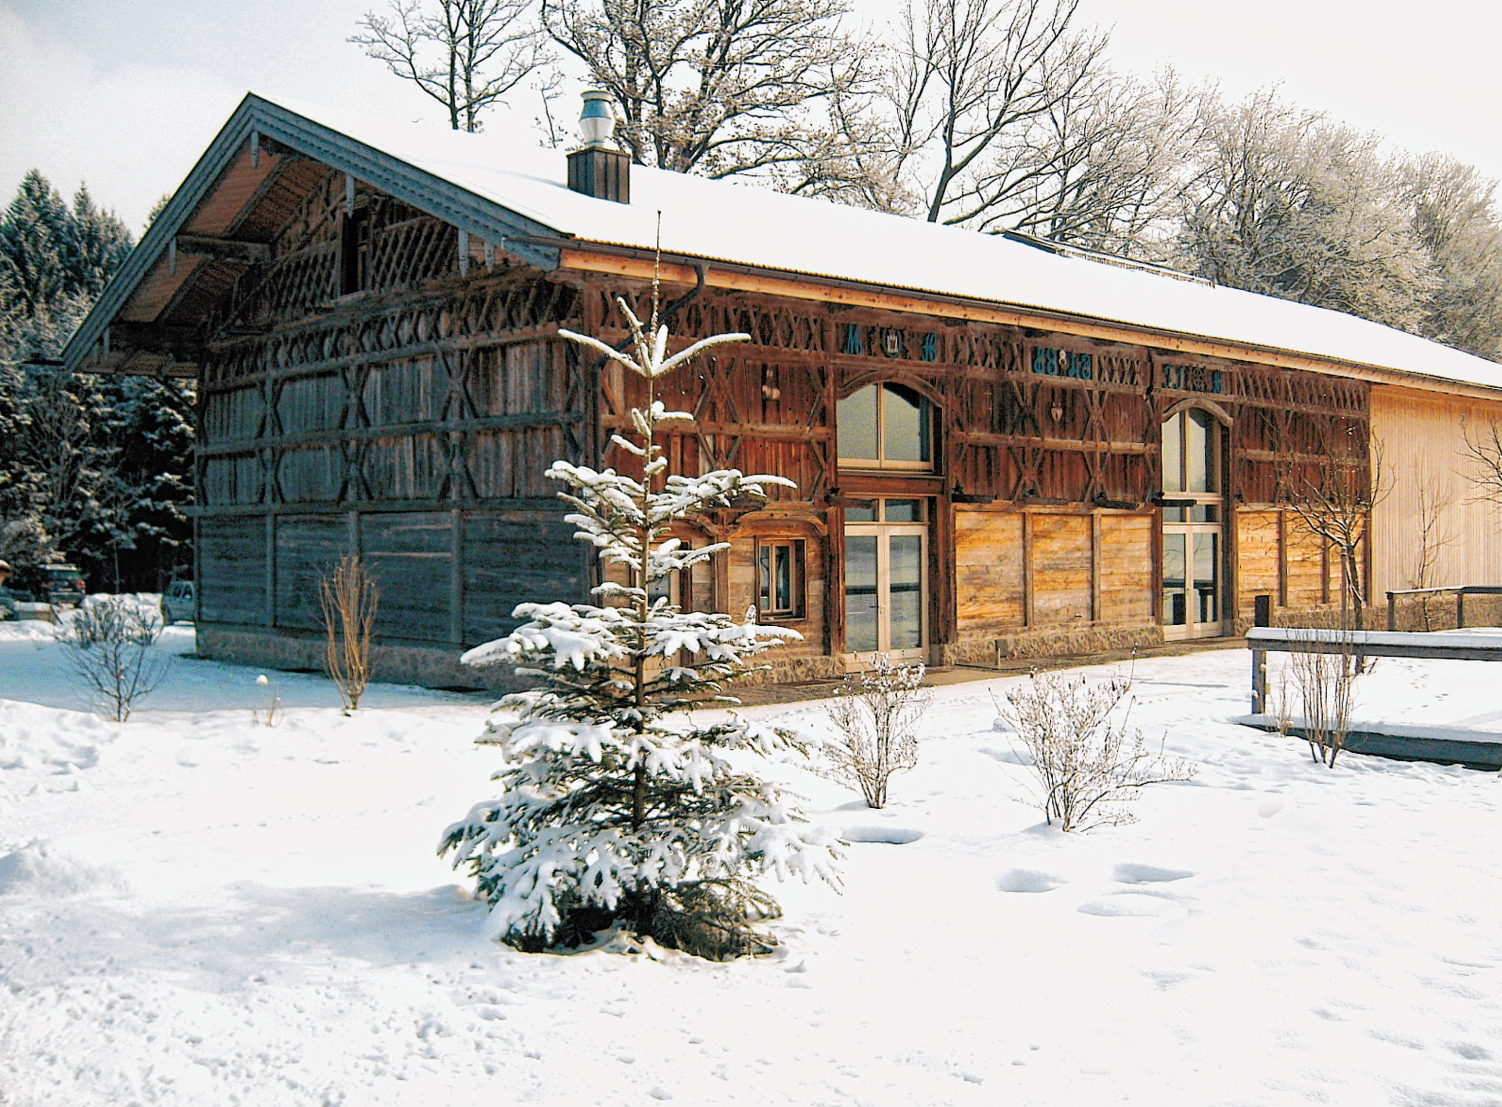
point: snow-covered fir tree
(614, 810)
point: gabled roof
(502, 188)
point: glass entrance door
(886, 593)
(1191, 581)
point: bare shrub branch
(1324, 676)
(349, 596)
(876, 714)
(1088, 763)
(110, 652)
(1333, 493)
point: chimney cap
(597, 120)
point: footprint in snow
(1134, 873)
(883, 835)
(1029, 880)
(1132, 905)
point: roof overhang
(582, 256)
(201, 241)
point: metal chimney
(598, 169)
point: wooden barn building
(1002, 449)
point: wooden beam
(222, 249)
(1095, 557)
(1029, 618)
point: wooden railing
(1362, 643)
(1461, 592)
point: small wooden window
(780, 586)
(354, 252)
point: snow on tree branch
(613, 810)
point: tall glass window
(1193, 526)
(1191, 452)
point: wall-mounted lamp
(1057, 411)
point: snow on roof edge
(739, 223)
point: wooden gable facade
(380, 373)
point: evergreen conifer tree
(95, 469)
(611, 810)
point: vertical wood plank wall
(1424, 452)
(1074, 571)
(408, 421)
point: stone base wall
(1042, 642)
(1437, 611)
(1322, 616)
(433, 668)
(438, 668)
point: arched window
(886, 426)
(1191, 453)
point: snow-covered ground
(195, 909)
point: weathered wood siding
(989, 569)
(1259, 557)
(233, 570)
(1063, 554)
(1127, 550)
(1085, 570)
(1432, 485)
(372, 392)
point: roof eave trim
(1143, 334)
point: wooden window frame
(927, 410)
(797, 554)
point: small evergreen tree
(611, 811)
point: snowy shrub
(109, 644)
(876, 716)
(612, 812)
(349, 596)
(1086, 760)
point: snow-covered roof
(721, 221)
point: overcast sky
(126, 94)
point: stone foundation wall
(436, 668)
(1323, 616)
(1022, 644)
(432, 668)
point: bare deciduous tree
(1435, 535)
(466, 54)
(1484, 448)
(964, 74)
(716, 87)
(349, 596)
(1455, 217)
(1333, 491)
(1103, 168)
(1289, 204)
(876, 715)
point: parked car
(179, 603)
(56, 583)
